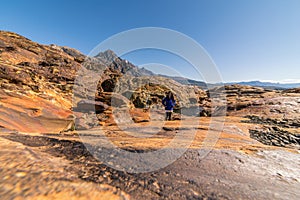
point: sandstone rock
(293, 90)
(36, 85)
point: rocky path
(48, 166)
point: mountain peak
(107, 55)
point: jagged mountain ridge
(109, 58)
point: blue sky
(247, 39)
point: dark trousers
(169, 116)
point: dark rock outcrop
(284, 123)
(276, 137)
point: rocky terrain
(36, 84)
(50, 121)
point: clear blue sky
(247, 39)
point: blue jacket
(168, 103)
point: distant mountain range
(266, 85)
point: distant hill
(186, 81)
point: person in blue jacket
(169, 103)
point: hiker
(169, 104)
